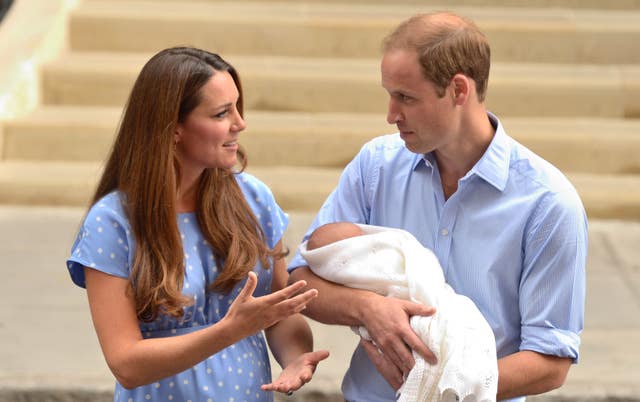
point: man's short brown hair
(447, 44)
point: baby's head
(332, 232)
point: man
(508, 228)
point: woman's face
(208, 136)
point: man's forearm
(335, 304)
(530, 373)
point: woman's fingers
(296, 303)
(317, 356)
(284, 386)
(286, 292)
(249, 286)
(264, 311)
(297, 373)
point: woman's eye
(221, 114)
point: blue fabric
(513, 238)
(105, 242)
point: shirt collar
(493, 166)
(422, 159)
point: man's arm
(551, 297)
(530, 373)
(339, 305)
(386, 319)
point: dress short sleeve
(104, 241)
(271, 217)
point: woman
(177, 244)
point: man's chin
(413, 148)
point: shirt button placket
(444, 235)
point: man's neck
(456, 160)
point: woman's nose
(239, 124)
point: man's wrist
(364, 307)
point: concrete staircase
(564, 80)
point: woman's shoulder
(264, 205)
(251, 185)
(110, 206)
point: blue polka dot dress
(105, 242)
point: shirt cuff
(551, 341)
(296, 262)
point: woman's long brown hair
(143, 166)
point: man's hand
(385, 367)
(387, 321)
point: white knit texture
(391, 262)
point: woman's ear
(462, 87)
(177, 134)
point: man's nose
(393, 114)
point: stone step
(317, 29)
(579, 4)
(353, 85)
(296, 188)
(59, 133)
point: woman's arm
(135, 361)
(292, 336)
(291, 342)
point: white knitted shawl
(391, 262)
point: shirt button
(444, 232)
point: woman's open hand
(252, 314)
(297, 373)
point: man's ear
(462, 87)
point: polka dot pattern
(105, 242)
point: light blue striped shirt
(513, 238)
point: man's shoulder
(389, 146)
(385, 141)
(526, 168)
(530, 172)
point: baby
(391, 262)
